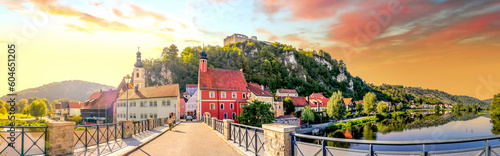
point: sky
(449, 45)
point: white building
(148, 102)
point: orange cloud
(141, 12)
(303, 42)
(14, 4)
(271, 38)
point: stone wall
(278, 139)
(288, 121)
(60, 138)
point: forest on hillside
(278, 66)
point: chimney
(136, 89)
(263, 88)
(101, 90)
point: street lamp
(126, 79)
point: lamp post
(126, 79)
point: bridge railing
(91, 135)
(140, 126)
(320, 147)
(219, 126)
(29, 140)
(249, 137)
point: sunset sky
(453, 46)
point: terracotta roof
(77, 105)
(104, 101)
(191, 85)
(57, 106)
(317, 96)
(152, 92)
(257, 90)
(299, 101)
(347, 101)
(287, 91)
(123, 86)
(222, 79)
(185, 93)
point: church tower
(139, 72)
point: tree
(256, 113)
(382, 108)
(77, 118)
(400, 106)
(495, 114)
(26, 110)
(393, 108)
(289, 106)
(359, 106)
(38, 108)
(53, 104)
(2, 104)
(336, 107)
(437, 109)
(369, 103)
(3, 111)
(307, 114)
(20, 106)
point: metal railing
(305, 148)
(140, 126)
(219, 126)
(95, 135)
(251, 138)
(28, 140)
(209, 122)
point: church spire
(139, 63)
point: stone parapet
(128, 128)
(227, 128)
(278, 139)
(60, 138)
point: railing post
(45, 152)
(371, 150)
(279, 140)
(292, 141)
(60, 138)
(487, 148)
(151, 124)
(255, 136)
(424, 152)
(227, 128)
(324, 147)
(246, 138)
(107, 133)
(214, 123)
(86, 132)
(98, 138)
(22, 141)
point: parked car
(190, 118)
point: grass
(17, 115)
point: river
(449, 126)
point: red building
(222, 92)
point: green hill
(282, 66)
(73, 90)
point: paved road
(188, 138)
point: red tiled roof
(77, 105)
(257, 90)
(285, 117)
(287, 91)
(222, 79)
(299, 101)
(317, 96)
(191, 85)
(104, 101)
(347, 101)
(185, 93)
(57, 106)
(152, 92)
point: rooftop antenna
(138, 48)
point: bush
(42, 121)
(349, 115)
(350, 124)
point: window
(212, 106)
(142, 105)
(168, 102)
(279, 106)
(156, 104)
(135, 116)
(156, 115)
(131, 116)
(223, 94)
(244, 95)
(225, 115)
(221, 106)
(163, 103)
(231, 106)
(142, 115)
(150, 103)
(150, 115)
(137, 75)
(234, 95)
(234, 116)
(212, 94)
(241, 105)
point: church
(140, 102)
